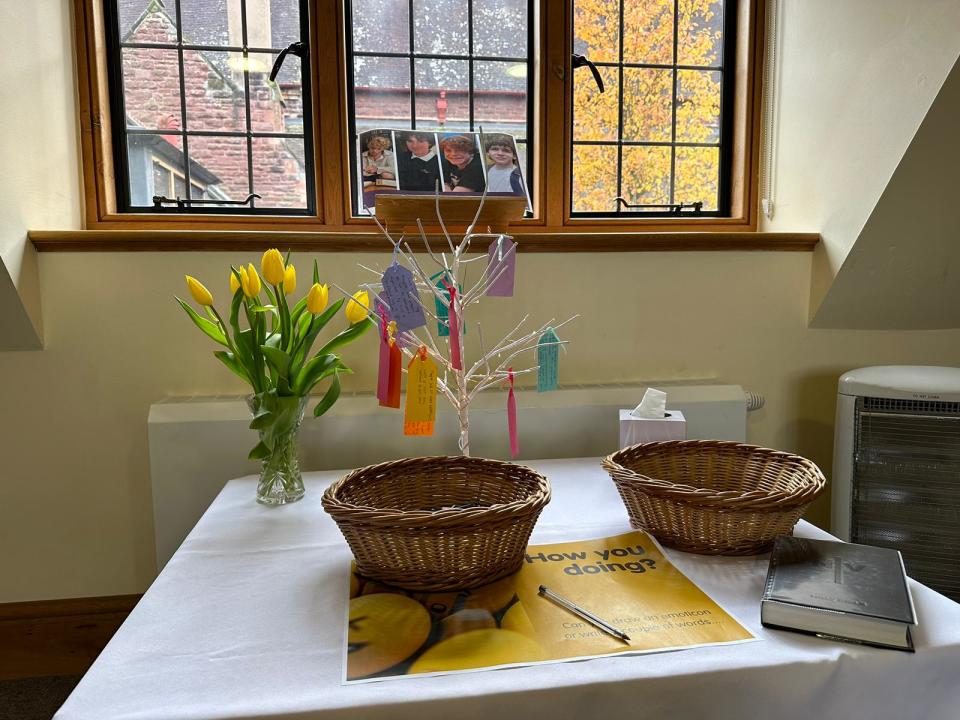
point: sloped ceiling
(903, 272)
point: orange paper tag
(421, 408)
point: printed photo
(418, 160)
(463, 169)
(503, 165)
(378, 164)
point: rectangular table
(247, 621)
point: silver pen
(580, 612)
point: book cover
(864, 583)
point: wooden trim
(538, 240)
(58, 637)
(551, 127)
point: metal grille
(926, 407)
(906, 485)
(720, 203)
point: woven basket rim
(692, 496)
(446, 518)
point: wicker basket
(438, 523)
(712, 497)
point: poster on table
(625, 580)
(415, 162)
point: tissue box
(634, 430)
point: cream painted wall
(76, 499)
(37, 139)
(855, 81)
(75, 513)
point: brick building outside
(215, 99)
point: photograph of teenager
(377, 162)
(462, 167)
(503, 167)
(417, 160)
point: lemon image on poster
(384, 629)
(477, 649)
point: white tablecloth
(246, 621)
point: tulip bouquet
(274, 354)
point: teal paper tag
(548, 360)
(443, 330)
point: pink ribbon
(512, 417)
(383, 377)
(453, 322)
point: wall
(39, 183)
(75, 515)
(855, 81)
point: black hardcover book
(839, 590)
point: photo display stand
(400, 212)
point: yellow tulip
(200, 294)
(272, 266)
(289, 280)
(356, 310)
(317, 298)
(251, 281)
(234, 283)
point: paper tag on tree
(443, 326)
(383, 373)
(396, 367)
(401, 294)
(501, 266)
(421, 409)
(388, 380)
(453, 322)
(548, 360)
(512, 418)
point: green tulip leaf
(316, 272)
(278, 360)
(228, 359)
(299, 309)
(259, 452)
(211, 329)
(345, 337)
(318, 368)
(329, 397)
(261, 420)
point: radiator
(197, 444)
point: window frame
(552, 224)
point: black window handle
(298, 48)
(581, 61)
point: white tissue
(653, 405)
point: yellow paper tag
(421, 408)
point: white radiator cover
(198, 444)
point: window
(655, 140)
(191, 80)
(440, 65)
(181, 123)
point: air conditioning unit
(896, 467)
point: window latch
(673, 208)
(298, 48)
(159, 201)
(582, 61)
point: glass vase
(280, 479)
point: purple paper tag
(401, 293)
(501, 266)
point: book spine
(771, 574)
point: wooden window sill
(542, 241)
